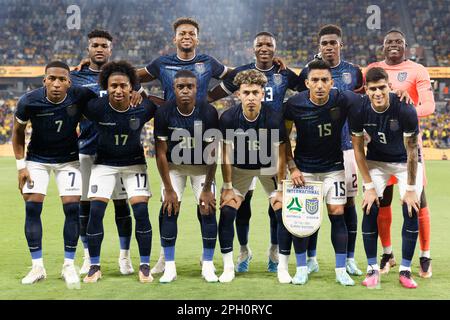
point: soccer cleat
(243, 261)
(372, 279)
(352, 268)
(144, 274)
(201, 264)
(36, 274)
(387, 262)
(301, 276)
(272, 266)
(406, 280)
(93, 275)
(159, 266)
(86, 265)
(343, 277)
(283, 276)
(227, 275)
(208, 272)
(313, 265)
(70, 275)
(170, 273)
(425, 267)
(125, 265)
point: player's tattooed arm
(216, 93)
(370, 194)
(18, 142)
(144, 76)
(296, 175)
(170, 204)
(410, 198)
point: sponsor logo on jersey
(172, 68)
(94, 188)
(277, 79)
(200, 67)
(402, 76)
(312, 205)
(347, 77)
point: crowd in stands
(435, 129)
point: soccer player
(413, 77)
(99, 51)
(253, 144)
(181, 143)
(393, 150)
(54, 111)
(346, 76)
(120, 155)
(165, 67)
(278, 82)
(319, 115)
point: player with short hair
(182, 132)
(120, 155)
(393, 150)
(253, 146)
(319, 115)
(278, 82)
(346, 76)
(99, 52)
(406, 75)
(54, 111)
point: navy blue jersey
(87, 141)
(203, 66)
(386, 129)
(54, 136)
(119, 133)
(346, 76)
(252, 140)
(275, 89)
(185, 133)
(318, 147)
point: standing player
(346, 76)
(120, 155)
(253, 135)
(278, 82)
(319, 116)
(99, 50)
(54, 111)
(414, 78)
(165, 67)
(393, 150)
(180, 127)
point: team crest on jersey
(30, 184)
(200, 67)
(72, 110)
(393, 125)
(312, 205)
(347, 77)
(277, 79)
(94, 188)
(402, 76)
(134, 123)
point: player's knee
(33, 197)
(140, 210)
(335, 210)
(350, 202)
(70, 199)
(140, 199)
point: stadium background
(35, 32)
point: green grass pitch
(256, 284)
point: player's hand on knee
(370, 198)
(411, 200)
(24, 177)
(404, 96)
(227, 197)
(170, 204)
(207, 202)
(297, 177)
(135, 99)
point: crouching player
(120, 155)
(393, 151)
(185, 149)
(253, 139)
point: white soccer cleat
(36, 274)
(208, 272)
(125, 265)
(283, 276)
(70, 275)
(227, 275)
(301, 277)
(343, 278)
(170, 272)
(86, 265)
(201, 264)
(159, 266)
